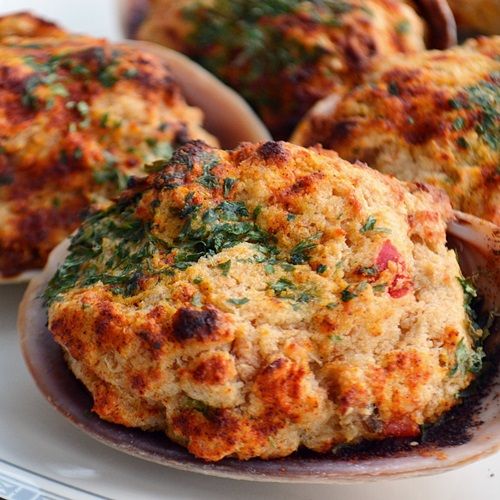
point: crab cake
(480, 16)
(252, 301)
(78, 115)
(433, 117)
(283, 56)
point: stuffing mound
(78, 115)
(252, 301)
(284, 55)
(432, 117)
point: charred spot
(423, 131)
(104, 320)
(341, 130)
(275, 365)
(359, 50)
(171, 176)
(210, 371)
(190, 324)
(422, 187)
(402, 76)
(182, 135)
(138, 383)
(150, 339)
(272, 150)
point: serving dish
(477, 243)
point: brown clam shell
(477, 244)
(441, 23)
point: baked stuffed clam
(432, 117)
(252, 301)
(283, 56)
(78, 116)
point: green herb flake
(239, 302)
(300, 252)
(334, 338)
(346, 295)
(369, 271)
(228, 185)
(197, 280)
(256, 212)
(281, 286)
(458, 123)
(368, 225)
(467, 359)
(208, 179)
(78, 153)
(380, 287)
(131, 73)
(225, 267)
(403, 27)
(83, 108)
(197, 405)
(332, 305)
(269, 269)
(321, 269)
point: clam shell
(440, 21)
(226, 114)
(471, 237)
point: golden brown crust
(25, 24)
(431, 117)
(267, 298)
(316, 48)
(78, 116)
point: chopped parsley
(239, 302)
(300, 252)
(208, 179)
(403, 27)
(321, 269)
(467, 360)
(225, 267)
(369, 225)
(483, 102)
(346, 295)
(281, 286)
(369, 271)
(237, 35)
(380, 287)
(228, 185)
(110, 173)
